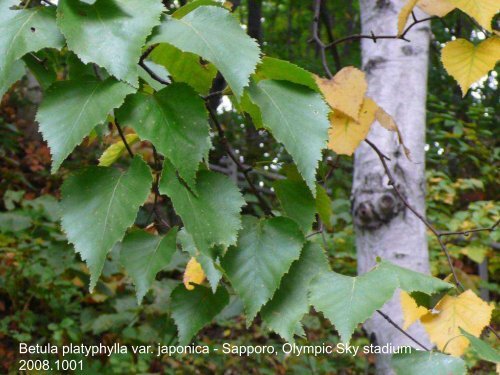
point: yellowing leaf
(467, 311)
(345, 134)
(193, 274)
(345, 92)
(113, 152)
(388, 123)
(476, 253)
(481, 10)
(438, 8)
(468, 63)
(404, 14)
(411, 311)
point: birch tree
(396, 72)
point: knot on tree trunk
(375, 204)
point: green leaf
(144, 255)
(265, 251)
(483, 350)
(246, 105)
(45, 75)
(157, 69)
(297, 202)
(214, 34)
(71, 109)
(281, 70)
(324, 206)
(193, 309)
(347, 301)
(192, 5)
(185, 67)
(23, 31)
(207, 262)
(429, 363)
(175, 121)
(411, 281)
(212, 216)
(297, 117)
(16, 73)
(109, 33)
(77, 69)
(98, 205)
(289, 304)
(113, 152)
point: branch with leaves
(353, 130)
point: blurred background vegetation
(44, 285)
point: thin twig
(315, 233)
(492, 330)
(48, 3)
(152, 74)
(317, 39)
(394, 324)
(377, 37)
(469, 231)
(246, 170)
(392, 182)
(124, 140)
(214, 94)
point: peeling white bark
(397, 80)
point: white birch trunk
(397, 79)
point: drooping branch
(316, 38)
(392, 182)
(246, 170)
(395, 325)
(436, 232)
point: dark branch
(377, 37)
(467, 232)
(317, 39)
(152, 74)
(246, 170)
(124, 140)
(402, 330)
(392, 182)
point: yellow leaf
(481, 10)
(193, 274)
(468, 63)
(388, 122)
(467, 311)
(404, 14)
(345, 134)
(411, 311)
(438, 8)
(476, 253)
(346, 91)
(113, 152)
